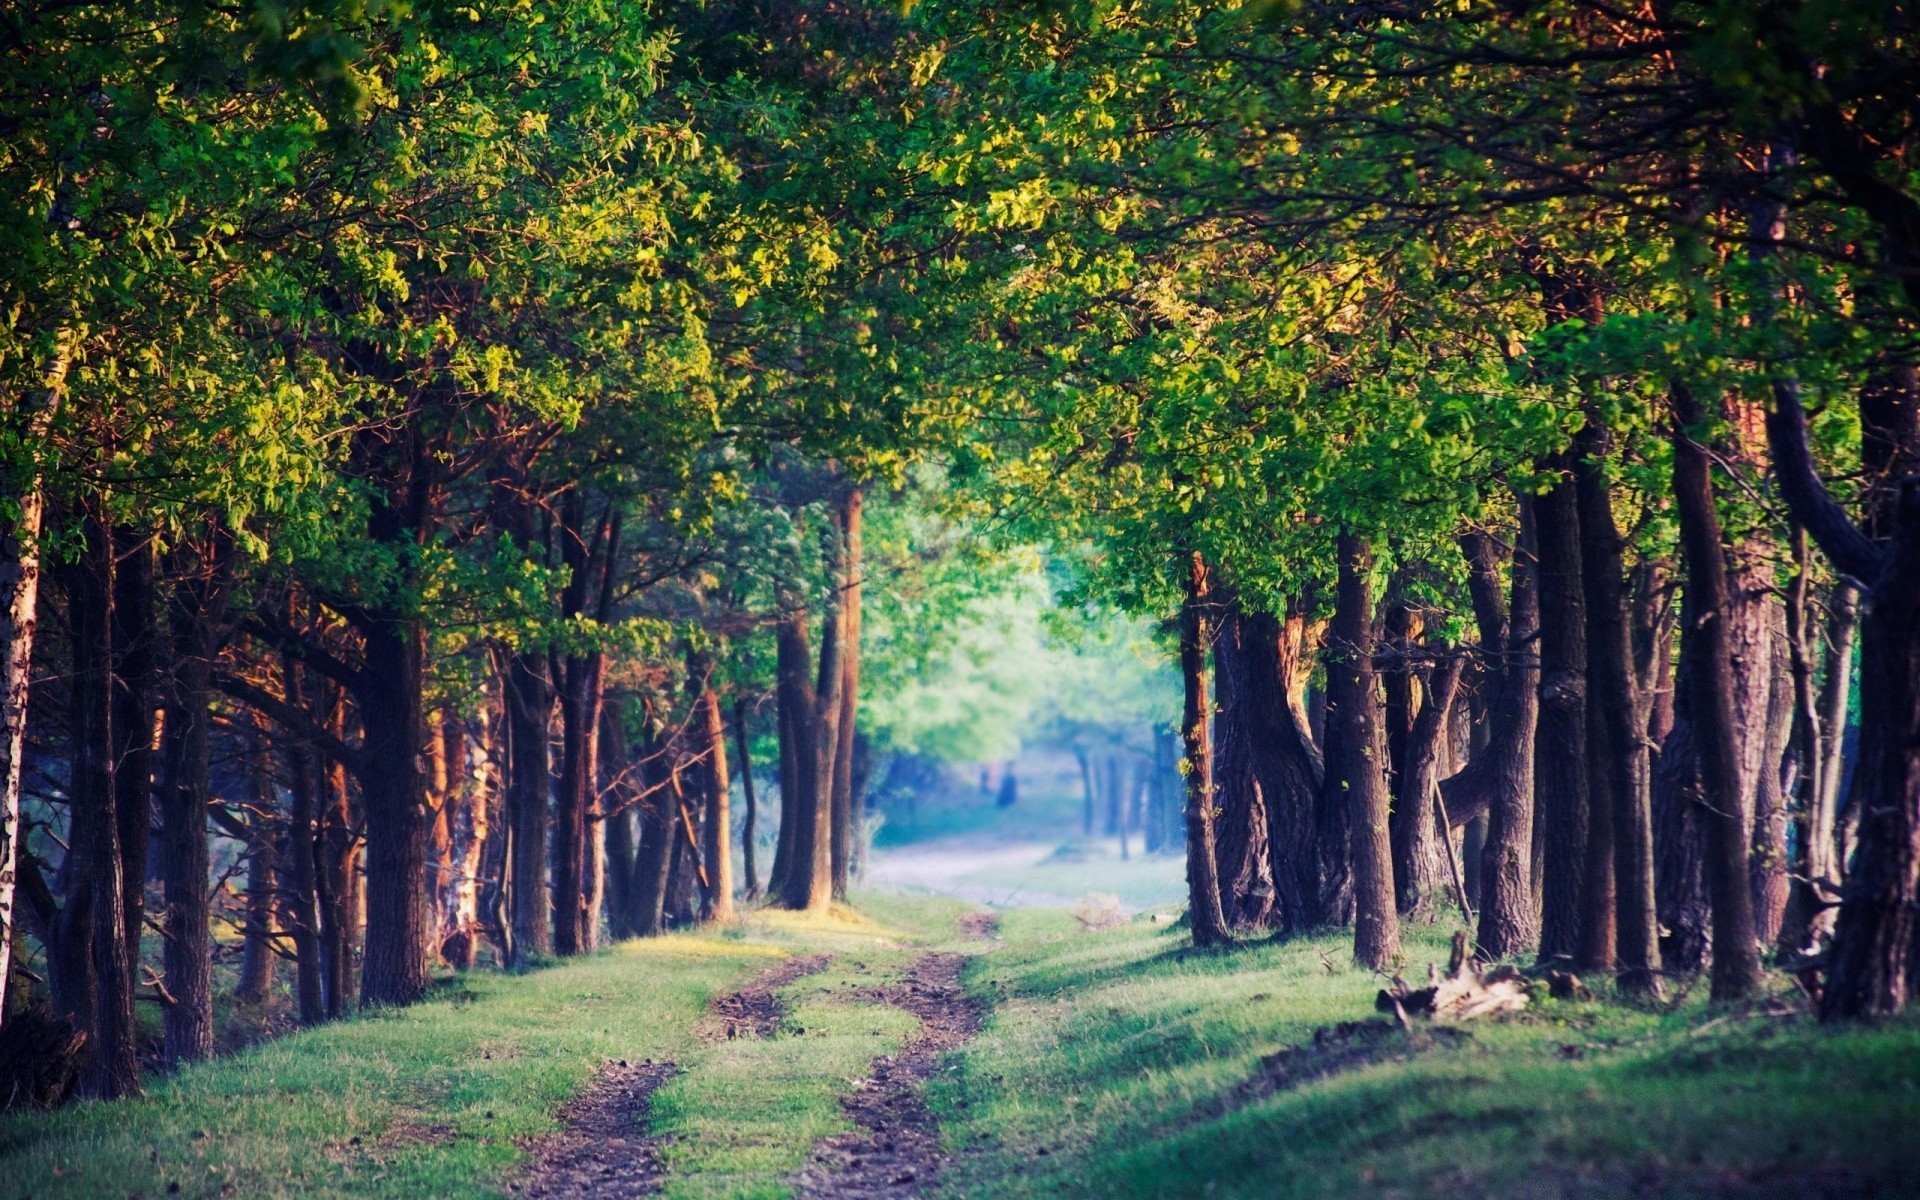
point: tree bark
(1207, 920)
(135, 682)
(1715, 709)
(717, 843)
(1421, 875)
(529, 704)
(1356, 758)
(1560, 741)
(92, 924)
(750, 817)
(393, 792)
(846, 822)
(194, 611)
(1243, 853)
(1619, 794)
(1508, 632)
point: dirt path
(603, 1150)
(895, 1151)
(754, 1011)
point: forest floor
(912, 1048)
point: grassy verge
(1110, 1065)
(433, 1100)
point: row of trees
(1460, 359)
(385, 389)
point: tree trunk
(574, 921)
(1616, 748)
(302, 899)
(1421, 875)
(1087, 802)
(1715, 709)
(655, 858)
(1356, 757)
(1508, 631)
(717, 843)
(257, 959)
(787, 736)
(196, 607)
(846, 826)
(93, 918)
(135, 683)
(1208, 921)
(750, 817)
(1243, 852)
(529, 703)
(339, 875)
(1560, 742)
(393, 791)
(809, 883)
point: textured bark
(257, 959)
(1508, 633)
(1616, 749)
(716, 849)
(393, 793)
(1715, 709)
(1869, 964)
(301, 899)
(136, 677)
(199, 598)
(750, 818)
(655, 858)
(1356, 757)
(813, 713)
(1422, 874)
(846, 822)
(787, 737)
(339, 875)
(1206, 918)
(1560, 740)
(575, 919)
(94, 955)
(529, 704)
(1243, 856)
(22, 511)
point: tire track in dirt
(895, 1150)
(603, 1150)
(754, 1010)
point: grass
(433, 1100)
(1111, 1065)
(1103, 1070)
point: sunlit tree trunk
(1208, 921)
(1356, 758)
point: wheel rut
(603, 1150)
(894, 1151)
(754, 1010)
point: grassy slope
(1095, 1075)
(1107, 1051)
(365, 1107)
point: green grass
(1101, 1072)
(338, 1111)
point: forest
(510, 492)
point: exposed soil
(754, 1010)
(895, 1151)
(1335, 1049)
(603, 1150)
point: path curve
(895, 1150)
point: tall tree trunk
(1088, 805)
(1243, 853)
(1356, 757)
(657, 833)
(788, 736)
(257, 959)
(529, 703)
(716, 849)
(846, 821)
(1616, 748)
(393, 791)
(194, 610)
(1508, 630)
(1560, 742)
(135, 684)
(1208, 921)
(92, 920)
(339, 875)
(1421, 875)
(22, 511)
(750, 817)
(302, 892)
(1715, 709)
(580, 701)
(808, 883)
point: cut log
(1466, 992)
